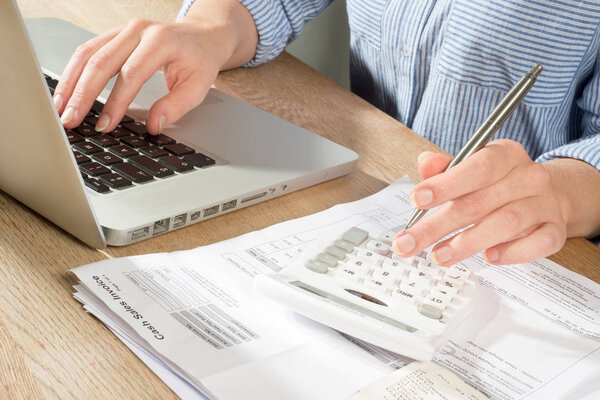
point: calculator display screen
(355, 307)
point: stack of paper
(194, 318)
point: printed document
(194, 318)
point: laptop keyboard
(128, 155)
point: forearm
(577, 184)
(231, 23)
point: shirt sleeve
(587, 147)
(278, 22)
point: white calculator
(354, 283)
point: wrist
(229, 26)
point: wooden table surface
(50, 348)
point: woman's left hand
(515, 212)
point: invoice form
(535, 333)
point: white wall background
(324, 43)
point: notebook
(239, 155)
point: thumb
(182, 97)
(431, 164)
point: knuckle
(485, 168)
(469, 206)
(551, 242)
(158, 32)
(512, 219)
(98, 61)
(538, 174)
(137, 24)
(129, 72)
(83, 51)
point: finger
(546, 240)
(431, 164)
(500, 226)
(145, 60)
(101, 67)
(470, 208)
(184, 95)
(75, 66)
(483, 168)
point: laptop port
(179, 220)
(253, 197)
(229, 205)
(140, 233)
(211, 211)
(195, 215)
(160, 226)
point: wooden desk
(50, 348)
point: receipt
(420, 380)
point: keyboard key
(355, 236)
(96, 185)
(154, 151)
(176, 164)
(123, 151)
(199, 160)
(139, 128)
(160, 140)
(134, 141)
(336, 252)
(80, 158)
(179, 149)
(349, 273)
(119, 132)
(132, 172)
(328, 259)
(378, 247)
(317, 266)
(369, 257)
(375, 284)
(94, 169)
(105, 141)
(51, 82)
(88, 148)
(73, 137)
(86, 131)
(115, 181)
(91, 119)
(435, 301)
(404, 295)
(97, 107)
(151, 166)
(344, 245)
(126, 119)
(442, 294)
(460, 271)
(107, 158)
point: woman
(439, 67)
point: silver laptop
(222, 156)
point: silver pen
(490, 126)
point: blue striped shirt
(441, 66)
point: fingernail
(68, 115)
(58, 101)
(422, 156)
(421, 197)
(492, 255)
(442, 255)
(404, 244)
(102, 123)
(161, 123)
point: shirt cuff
(586, 149)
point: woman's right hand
(215, 35)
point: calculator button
(344, 245)
(317, 266)
(369, 256)
(430, 269)
(376, 284)
(430, 311)
(359, 265)
(336, 252)
(349, 273)
(355, 236)
(460, 271)
(411, 286)
(442, 294)
(328, 259)
(448, 286)
(404, 260)
(394, 265)
(388, 276)
(386, 237)
(450, 277)
(404, 295)
(436, 302)
(378, 247)
(424, 279)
